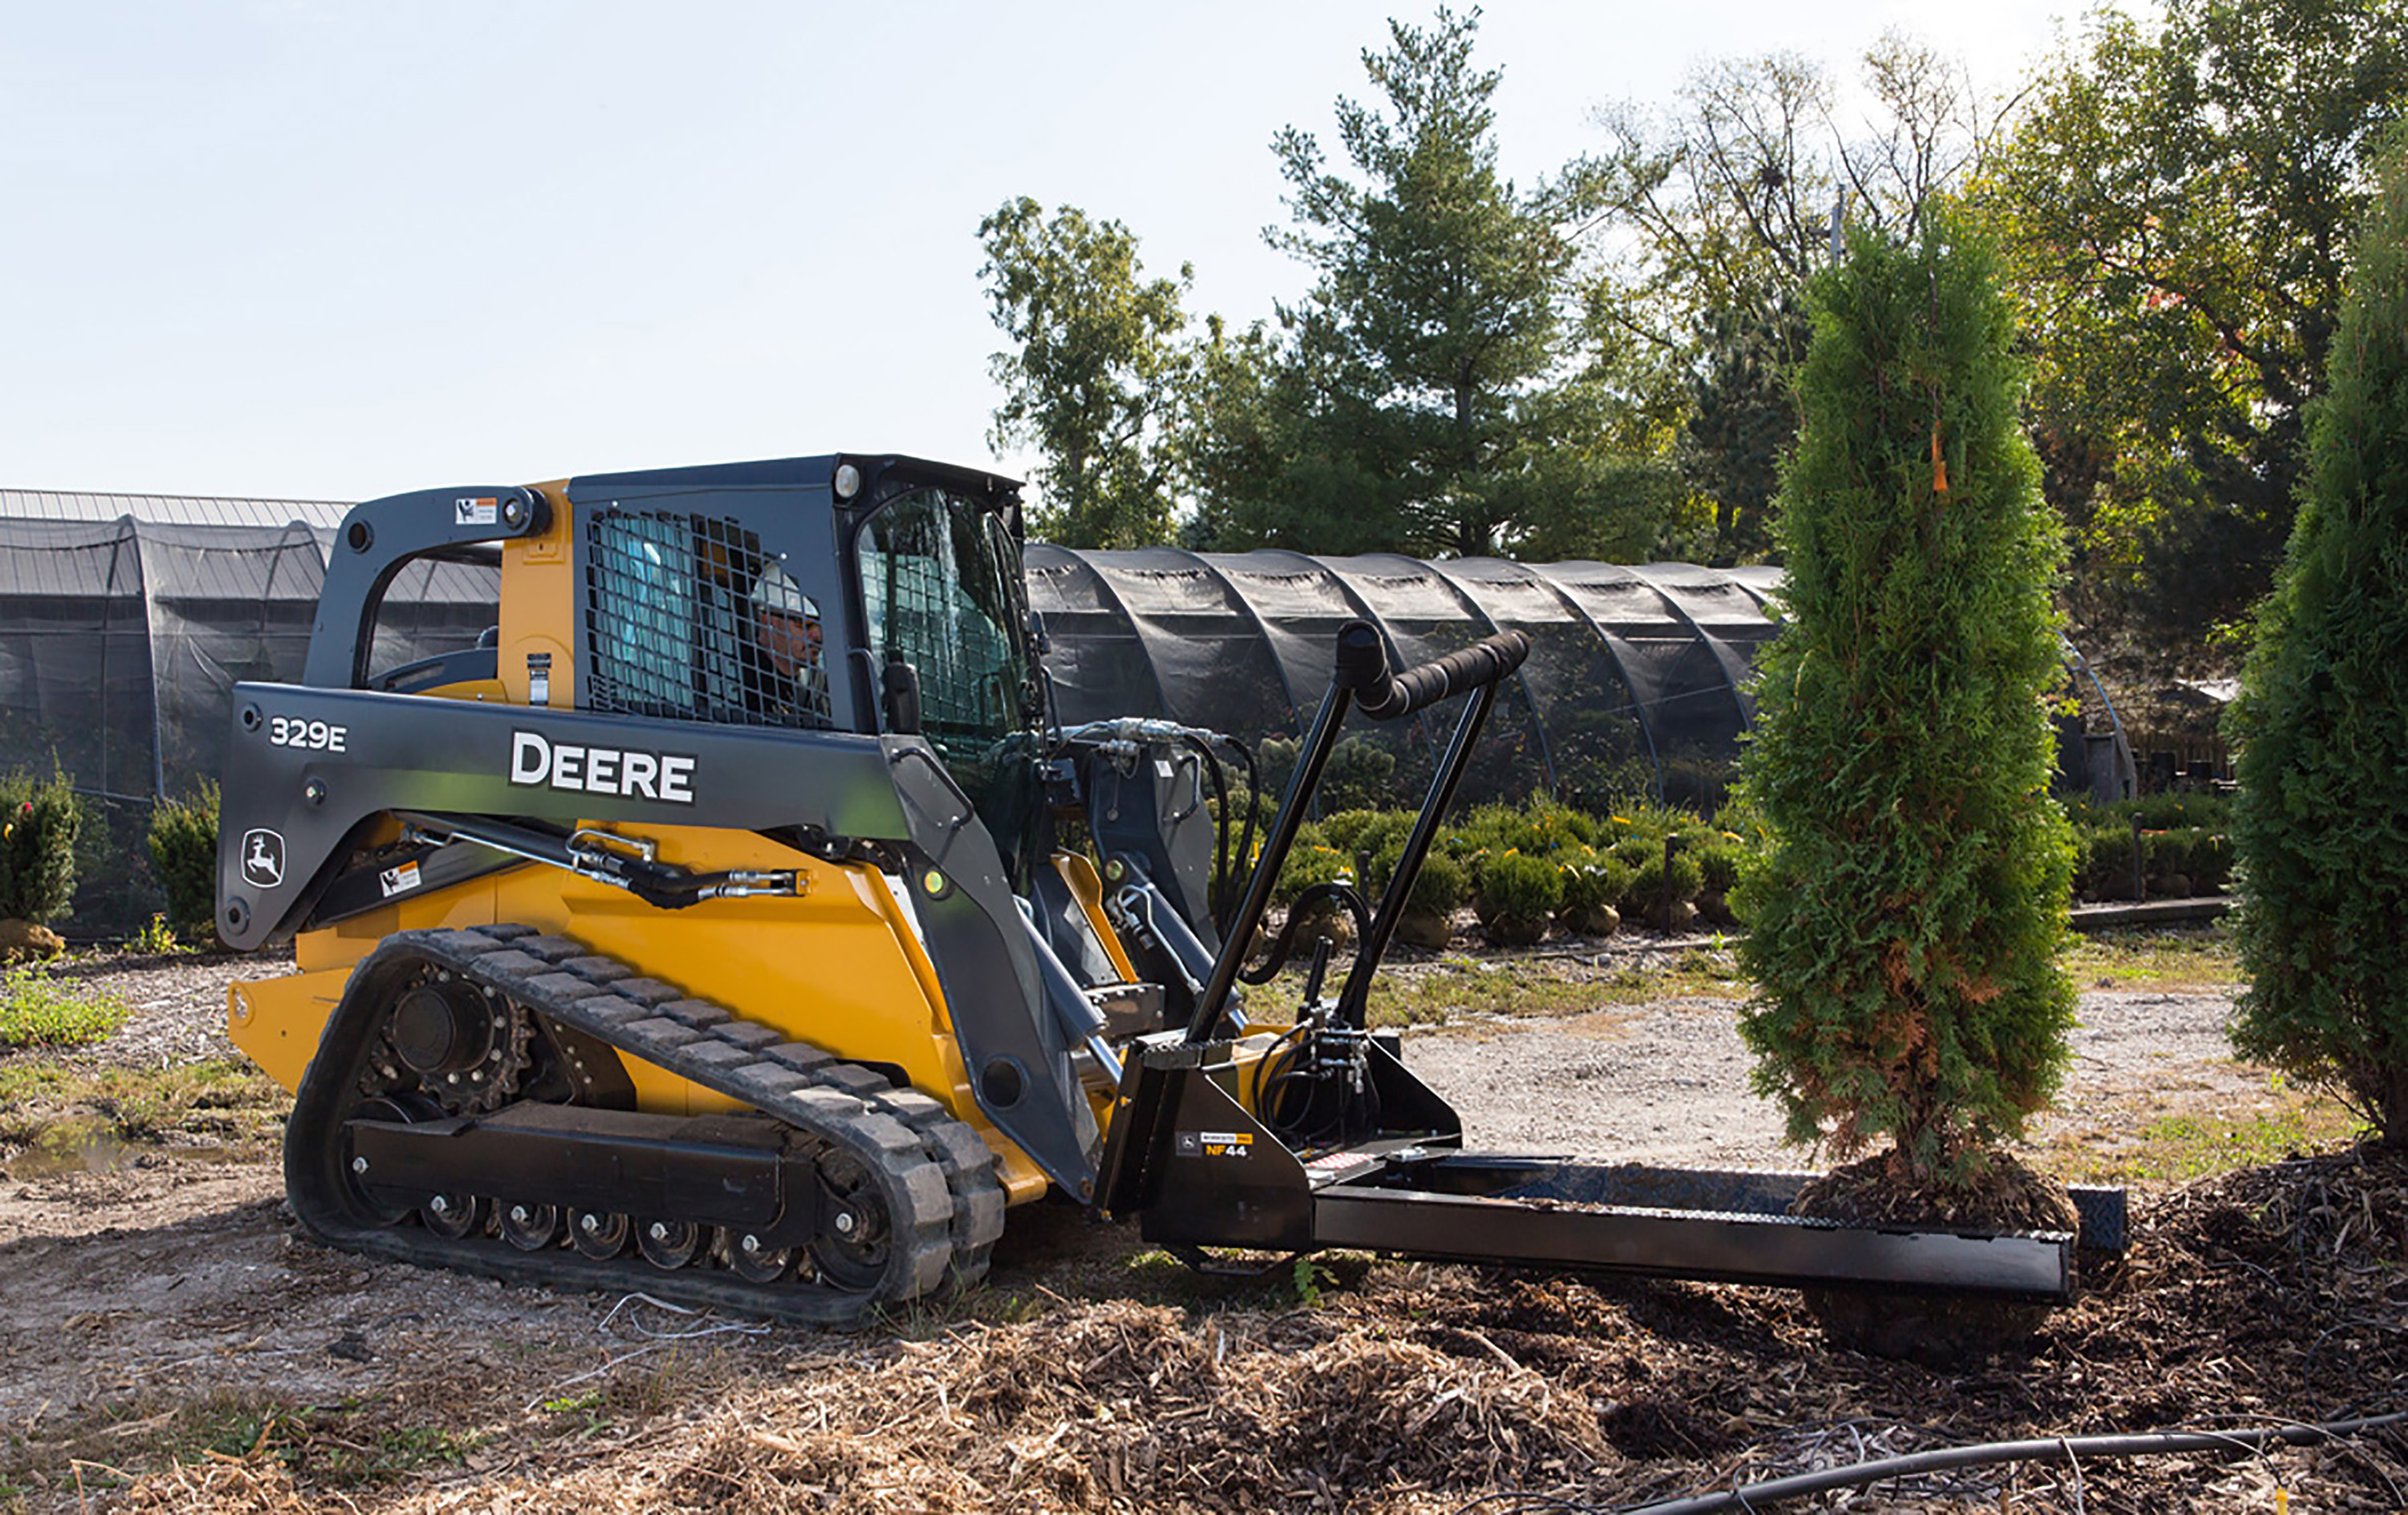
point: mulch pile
(2270, 1295)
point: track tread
(936, 1175)
(949, 1168)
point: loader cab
(777, 594)
(876, 595)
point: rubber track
(940, 1170)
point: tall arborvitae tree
(2321, 828)
(1905, 930)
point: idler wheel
(532, 1228)
(597, 1234)
(670, 1245)
(753, 1260)
(442, 1027)
(402, 1109)
(851, 1249)
(455, 1217)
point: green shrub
(2176, 811)
(1345, 829)
(2210, 861)
(1439, 887)
(1635, 852)
(1354, 832)
(1485, 828)
(1719, 864)
(39, 820)
(1546, 826)
(2320, 828)
(2104, 866)
(37, 1010)
(184, 854)
(1642, 898)
(1515, 886)
(1905, 930)
(1360, 774)
(1392, 851)
(1310, 862)
(1593, 880)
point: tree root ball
(1937, 1330)
(1426, 929)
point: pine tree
(2321, 831)
(1907, 924)
(1426, 396)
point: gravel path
(1669, 1081)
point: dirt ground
(170, 1343)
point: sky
(287, 249)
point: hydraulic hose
(1384, 694)
(1246, 838)
(2051, 1449)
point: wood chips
(2271, 1294)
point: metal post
(2139, 872)
(1672, 840)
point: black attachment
(1546, 1212)
(1361, 667)
(1314, 756)
(1363, 670)
(1275, 956)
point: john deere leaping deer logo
(262, 858)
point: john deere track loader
(710, 929)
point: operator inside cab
(786, 624)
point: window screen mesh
(687, 619)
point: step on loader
(731, 922)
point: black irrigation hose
(2144, 1444)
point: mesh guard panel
(687, 619)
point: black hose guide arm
(1361, 672)
(1383, 695)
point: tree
(1743, 416)
(2175, 211)
(1089, 382)
(1905, 927)
(1711, 215)
(1423, 397)
(2320, 830)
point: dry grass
(1460, 986)
(2191, 959)
(2163, 1136)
